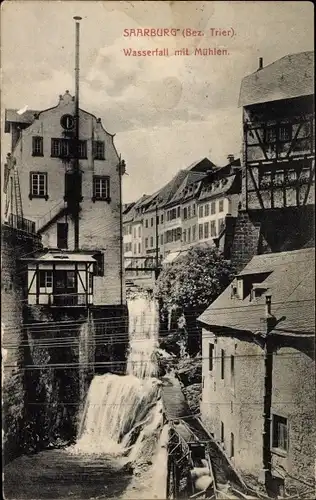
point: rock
(189, 370)
(193, 396)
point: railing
(69, 299)
(49, 215)
(19, 222)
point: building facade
(278, 161)
(43, 149)
(278, 137)
(259, 369)
(219, 197)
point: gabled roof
(12, 116)
(188, 188)
(203, 165)
(291, 283)
(216, 188)
(288, 77)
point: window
(279, 433)
(161, 239)
(98, 150)
(37, 146)
(161, 218)
(201, 211)
(222, 432)
(200, 231)
(46, 280)
(206, 229)
(206, 210)
(232, 445)
(146, 223)
(139, 248)
(189, 235)
(232, 371)
(221, 206)
(82, 149)
(213, 208)
(101, 188)
(151, 241)
(285, 133)
(157, 220)
(139, 232)
(222, 364)
(61, 148)
(62, 235)
(99, 264)
(189, 212)
(38, 185)
(67, 122)
(135, 249)
(270, 135)
(185, 213)
(178, 212)
(213, 228)
(193, 233)
(194, 210)
(184, 235)
(210, 357)
(151, 222)
(146, 243)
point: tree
(192, 283)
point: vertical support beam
(245, 160)
(157, 253)
(76, 152)
(121, 230)
(267, 402)
(87, 286)
(37, 284)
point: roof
(60, 256)
(217, 187)
(13, 116)
(291, 285)
(288, 77)
(202, 165)
(189, 187)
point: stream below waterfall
(121, 424)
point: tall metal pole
(121, 232)
(157, 243)
(121, 168)
(76, 149)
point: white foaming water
(143, 338)
(121, 411)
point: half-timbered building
(278, 133)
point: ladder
(17, 192)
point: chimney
(260, 63)
(230, 158)
(268, 306)
(267, 322)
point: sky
(166, 112)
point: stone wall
(272, 230)
(15, 244)
(235, 404)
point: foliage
(194, 281)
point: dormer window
(251, 285)
(257, 291)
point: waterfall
(122, 412)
